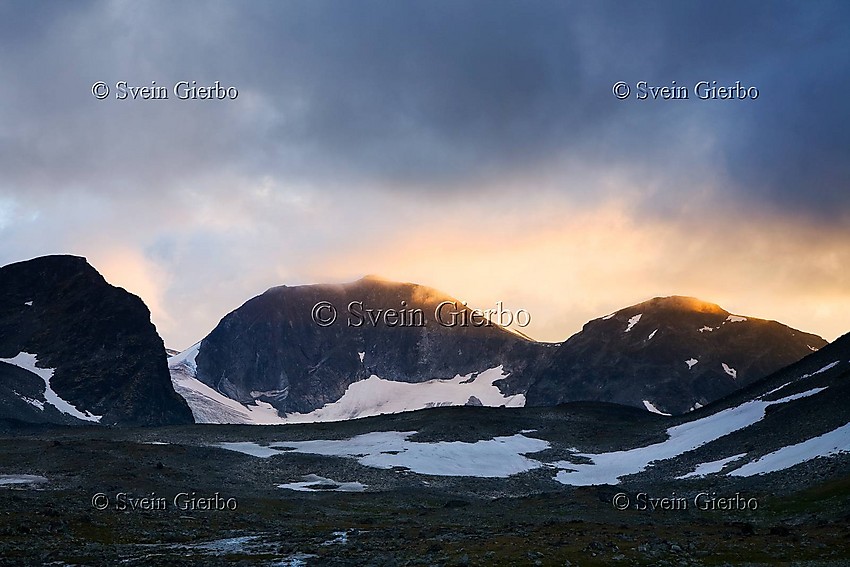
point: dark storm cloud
(364, 126)
(428, 94)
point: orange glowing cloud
(587, 263)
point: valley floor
(346, 513)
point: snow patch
(650, 407)
(652, 334)
(28, 303)
(275, 394)
(248, 448)
(9, 479)
(37, 403)
(691, 362)
(730, 371)
(608, 468)
(376, 396)
(831, 443)
(340, 538)
(209, 405)
(813, 349)
(706, 328)
(230, 545)
(294, 560)
(773, 391)
(711, 467)
(734, 319)
(28, 362)
(186, 358)
(499, 457)
(805, 394)
(609, 316)
(372, 396)
(315, 483)
(362, 355)
(633, 321)
(829, 366)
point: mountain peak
(681, 303)
(98, 350)
(57, 262)
(365, 288)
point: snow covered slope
(209, 405)
(835, 441)
(608, 468)
(376, 396)
(364, 398)
(28, 362)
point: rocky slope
(668, 354)
(806, 418)
(271, 350)
(74, 349)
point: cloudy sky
(471, 146)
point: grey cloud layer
(359, 123)
(425, 94)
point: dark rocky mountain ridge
(272, 346)
(106, 355)
(675, 352)
(808, 400)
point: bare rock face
(271, 349)
(676, 353)
(93, 342)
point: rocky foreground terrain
(339, 511)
